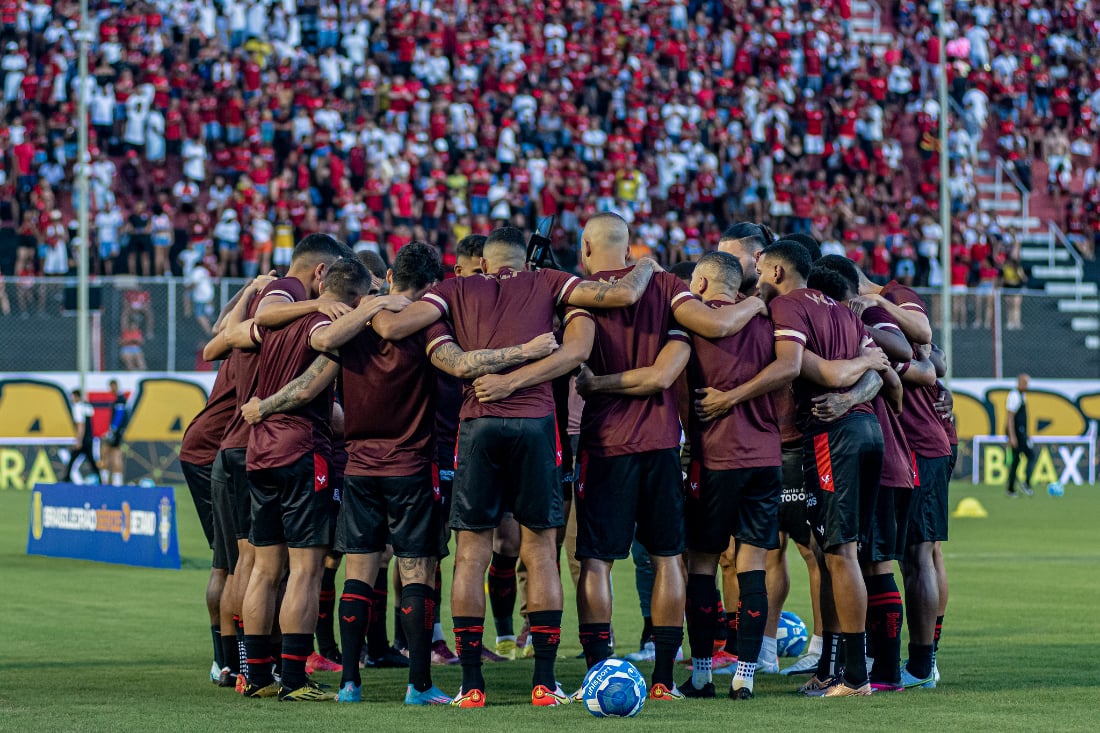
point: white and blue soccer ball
(1056, 489)
(614, 688)
(790, 637)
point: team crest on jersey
(820, 298)
(320, 473)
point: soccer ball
(790, 637)
(1056, 489)
(614, 688)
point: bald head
(607, 232)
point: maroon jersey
(498, 311)
(338, 462)
(448, 403)
(399, 441)
(825, 328)
(629, 338)
(897, 461)
(786, 414)
(247, 362)
(748, 436)
(923, 427)
(203, 436)
(283, 438)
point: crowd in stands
(222, 132)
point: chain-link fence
(161, 325)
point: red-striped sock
(884, 619)
(258, 659)
(546, 636)
(469, 631)
(355, 613)
(502, 592)
(596, 643)
(296, 649)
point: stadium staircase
(870, 25)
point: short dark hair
(321, 247)
(373, 262)
(812, 245)
(417, 265)
(510, 236)
(726, 266)
(472, 245)
(792, 254)
(683, 270)
(830, 282)
(841, 266)
(760, 235)
(346, 278)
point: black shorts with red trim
(198, 483)
(240, 490)
(405, 511)
(221, 507)
(793, 516)
(842, 468)
(928, 517)
(620, 498)
(890, 524)
(292, 504)
(507, 465)
(741, 502)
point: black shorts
(793, 517)
(405, 511)
(954, 460)
(240, 491)
(928, 517)
(742, 502)
(620, 498)
(889, 526)
(842, 468)
(334, 508)
(225, 533)
(198, 483)
(507, 465)
(292, 504)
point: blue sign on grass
(125, 525)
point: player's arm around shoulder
(643, 381)
(236, 331)
(714, 403)
(330, 337)
(712, 323)
(447, 356)
(300, 391)
(625, 291)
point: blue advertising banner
(125, 525)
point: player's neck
(606, 263)
(721, 297)
(790, 285)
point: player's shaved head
(605, 232)
(722, 268)
(505, 247)
(347, 280)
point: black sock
(666, 642)
(216, 637)
(296, 650)
(731, 632)
(884, 618)
(502, 592)
(377, 642)
(468, 633)
(596, 642)
(830, 648)
(855, 658)
(702, 598)
(259, 660)
(647, 631)
(400, 641)
(720, 629)
(936, 636)
(437, 596)
(242, 651)
(546, 636)
(276, 646)
(752, 612)
(417, 609)
(355, 613)
(920, 660)
(231, 658)
(326, 634)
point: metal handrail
(1003, 169)
(1057, 236)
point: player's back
(630, 338)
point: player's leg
(885, 611)
(778, 579)
(327, 658)
(727, 563)
(538, 547)
(298, 615)
(268, 568)
(356, 606)
(503, 587)
(701, 597)
(660, 519)
(473, 552)
(643, 583)
(927, 525)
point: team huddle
(760, 395)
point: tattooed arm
(643, 381)
(835, 405)
(623, 292)
(298, 392)
(450, 358)
(580, 334)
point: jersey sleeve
(789, 320)
(878, 317)
(560, 284)
(676, 290)
(573, 312)
(906, 298)
(436, 335)
(1012, 404)
(442, 296)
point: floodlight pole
(945, 203)
(83, 169)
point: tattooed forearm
(473, 364)
(866, 388)
(296, 393)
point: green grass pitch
(102, 648)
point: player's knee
(416, 570)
